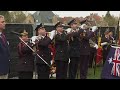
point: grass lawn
(97, 73)
(90, 73)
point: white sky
(82, 13)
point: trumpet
(34, 39)
(51, 34)
(39, 37)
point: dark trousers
(43, 71)
(73, 66)
(92, 58)
(84, 62)
(25, 75)
(61, 69)
(105, 53)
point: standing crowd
(65, 50)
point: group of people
(66, 48)
(71, 48)
(105, 42)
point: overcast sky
(82, 13)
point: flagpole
(96, 54)
(117, 31)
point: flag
(111, 69)
(99, 56)
(99, 51)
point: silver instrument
(39, 37)
(34, 39)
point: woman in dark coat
(25, 64)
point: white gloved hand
(8, 42)
(105, 43)
(96, 46)
(52, 34)
(83, 26)
(113, 41)
(68, 30)
(33, 39)
(94, 28)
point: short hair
(1, 16)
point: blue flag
(111, 69)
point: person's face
(111, 34)
(60, 29)
(25, 38)
(74, 25)
(107, 35)
(42, 31)
(2, 24)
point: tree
(17, 17)
(6, 14)
(111, 20)
(54, 19)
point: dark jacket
(44, 50)
(107, 46)
(92, 42)
(61, 46)
(84, 43)
(74, 44)
(4, 57)
(26, 58)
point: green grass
(97, 73)
(90, 73)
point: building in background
(41, 17)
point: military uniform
(25, 65)
(74, 50)
(43, 50)
(85, 52)
(61, 54)
(93, 50)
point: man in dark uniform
(105, 43)
(62, 54)
(85, 49)
(25, 64)
(43, 50)
(74, 48)
(93, 49)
